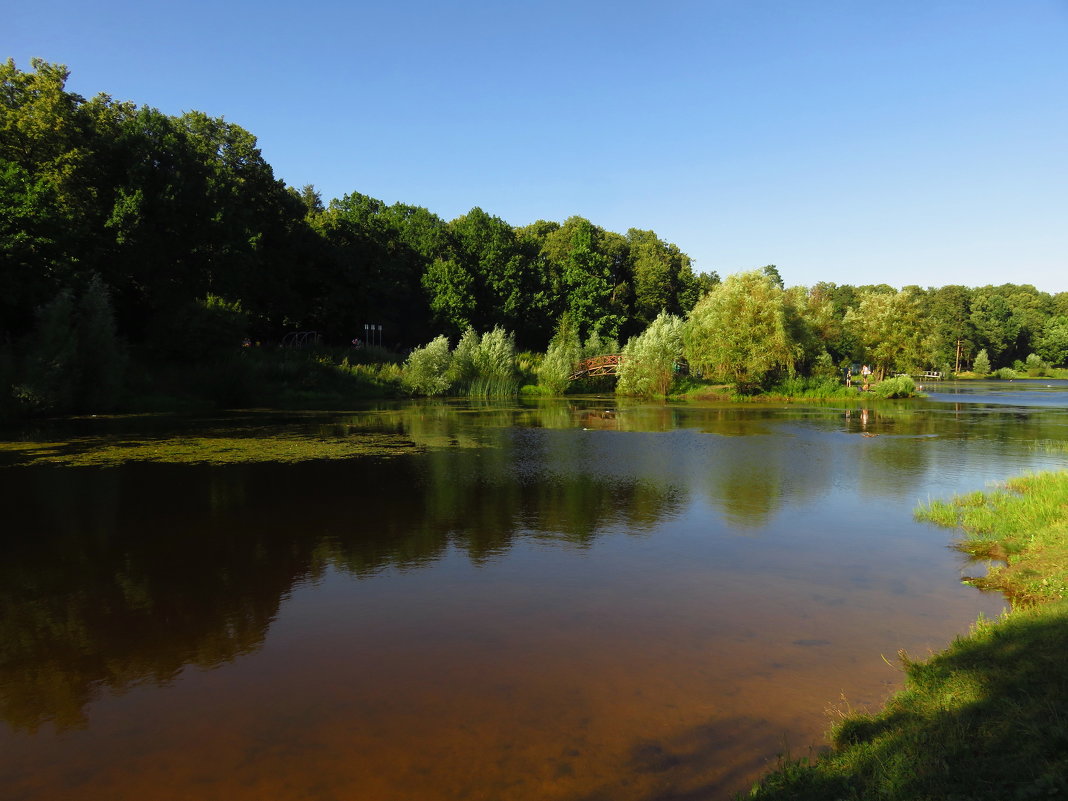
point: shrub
(426, 372)
(495, 359)
(49, 379)
(823, 366)
(901, 386)
(1004, 374)
(1035, 366)
(101, 357)
(648, 361)
(206, 328)
(981, 365)
(564, 351)
(464, 368)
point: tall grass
(809, 388)
(901, 386)
(480, 366)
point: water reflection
(117, 576)
(564, 601)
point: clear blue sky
(905, 142)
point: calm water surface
(568, 601)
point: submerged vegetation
(986, 718)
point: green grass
(988, 717)
(1025, 525)
(807, 388)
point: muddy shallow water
(573, 601)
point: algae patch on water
(216, 450)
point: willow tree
(648, 363)
(888, 329)
(740, 332)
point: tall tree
(740, 332)
(886, 327)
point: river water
(558, 601)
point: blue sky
(905, 142)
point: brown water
(570, 601)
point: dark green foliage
(74, 358)
(171, 210)
(49, 372)
(200, 330)
(101, 364)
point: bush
(101, 356)
(464, 368)
(1035, 366)
(564, 351)
(1004, 374)
(901, 386)
(206, 328)
(495, 359)
(49, 378)
(648, 361)
(426, 372)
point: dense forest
(133, 239)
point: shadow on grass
(986, 719)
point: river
(562, 601)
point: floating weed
(289, 448)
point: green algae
(104, 451)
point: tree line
(169, 209)
(127, 234)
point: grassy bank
(794, 389)
(988, 717)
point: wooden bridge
(609, 365)
(595, 366)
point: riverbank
(986, 718)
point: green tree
(981, 365)
(647, 365)
(426, 370)
(450, 290)
(508, 284)
(995, 327)
(560, 358)
(886, 327)
(739, 331)
(1051, 343)
(813, 325)
(101, 358)
(51, 362)
(662, 275)
(772, 272)
(587, 261)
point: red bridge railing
(597, 365)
